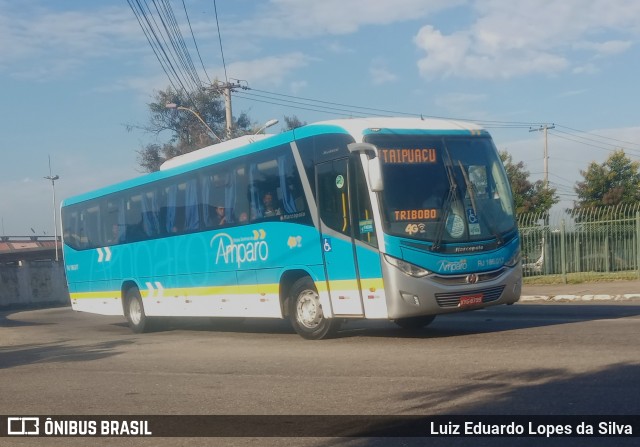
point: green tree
(292, 122)
(528, 197)
(187, 133)
(614, 182)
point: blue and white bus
(381, 218)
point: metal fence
(582, 244)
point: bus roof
(358, 128)
(214, 149)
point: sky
(76, 79)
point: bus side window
(173, 211)
(269, 195)
(241, 199)
(89, 227)
(71, 235)
(191, 212)
(133, 219)
(113, 221)
(150, 214)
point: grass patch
(581, 277)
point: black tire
(134, 311)
(415, 323)
(305, 312)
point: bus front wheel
(414, 323)
(305, 312)
(134, 311)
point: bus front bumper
(409, 296)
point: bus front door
(338, 245)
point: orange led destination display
(408, 156)
(412, 215)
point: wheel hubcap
(135, 311)
(309, 312)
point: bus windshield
(444, 189)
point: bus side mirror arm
(373, 164)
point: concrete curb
(564, 298)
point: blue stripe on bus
(453, 263)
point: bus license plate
(470, 300)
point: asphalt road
(548, 359)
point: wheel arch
(124, 288)
(287, 279)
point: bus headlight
(513, 260)
(405, 267)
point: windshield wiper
(472, 195)
(446, 206)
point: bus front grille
(450, 280)
(452, 299)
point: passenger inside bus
(220, 218)
(270, 209)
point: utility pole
(227, 108)
(226, 88)
(544, 128)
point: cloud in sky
(267, 71)
(504, 38)
(270, 70)
(311, 18)
(519, 37)
(462, 104)
(63, 40)
(32, 33)
(380, 73)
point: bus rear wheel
(305, 312)
(415, 323)
(134, 311)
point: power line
(172, 30)
(607, 149)
(224, 65)
(300, 103)
(560, 177)
(179, 68)
(311, 109)
(161, 41)
(298, 100)
(148, 31)
(359, 110)
(593, 142)
(194, 41)
(598, 136)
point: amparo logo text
(453, 266)
(239, 251)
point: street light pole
(267, 125)
(173, 105)
(53, 179)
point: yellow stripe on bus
(345, 284)
(186, 291)
(93, 295)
